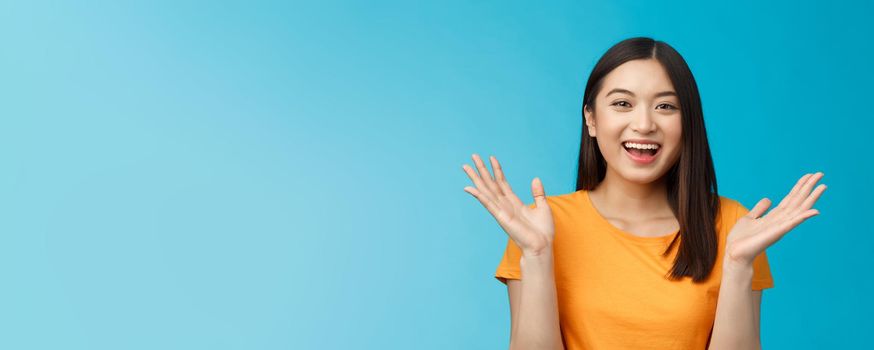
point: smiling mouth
(642, 153)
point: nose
(642, 122)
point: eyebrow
(660, 94)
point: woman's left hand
(753, 232)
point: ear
(590, 120)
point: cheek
(675, 139)
(608, 139)
(673, 132)
(609, 128)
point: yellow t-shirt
(611, 285)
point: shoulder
(732, 206)
(729, 211)
(729, 203)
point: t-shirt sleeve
(509, 268)
(762, 278)
(509, 265)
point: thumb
(537, 192)
(759, 208)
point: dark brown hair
(691, 182)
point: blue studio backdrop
(287, 175)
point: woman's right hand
(532, 229)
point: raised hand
(753, 232)
(530, 228)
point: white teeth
(641, 145)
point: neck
(616, 195)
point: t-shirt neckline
(656, 240)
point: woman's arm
(534, 304)
(532, 229)
(736, 325)
(737, 311)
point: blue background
(272, 175)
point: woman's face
(637, 102)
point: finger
(804, 191)
(808, 202)
(774, 233)
(503, 183)
(486, 176)
(787, 225)
(538, 192)
(792, 192)
(759, 208)
(490, 205)
(477, 181)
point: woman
(645, 254)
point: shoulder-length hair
(691, 182)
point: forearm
(735, 326)
(538, 324)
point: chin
(642, 176)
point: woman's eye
(669, 106)
(617, 103)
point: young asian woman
(645, 254)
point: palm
(526, 225)
(753, 232)
(530, 227)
